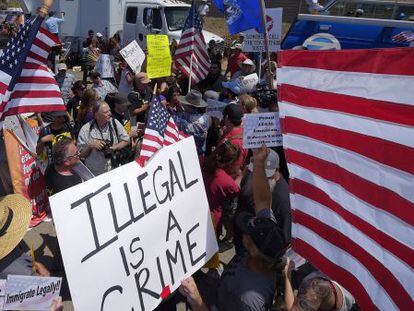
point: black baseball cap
(265, 233)
(234, 112)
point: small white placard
(261, 128)
(133, 55)
(31, 292)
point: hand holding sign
(133, 225)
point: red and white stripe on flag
(348, 132)
(36, 89)
(192, 48)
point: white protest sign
(133, 55)
(104, 66)
(254, 41)
(31, 292)
(261, 128)
(248, 83)
(130, 236)
(215, 108)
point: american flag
(348, 133)
(192, 46)
(26, 84)
(404, 37)
(160, 130)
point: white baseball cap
(271, 164)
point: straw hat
(15, 215)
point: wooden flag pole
(191, 72)
(267, 45)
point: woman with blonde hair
(248, 103)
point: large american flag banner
(191, 56)
(404, 37)
(160, 131)
(26, 84)
(348, 132)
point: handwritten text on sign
(159, 56)
(261, 128)
(139, 231)
(30, 292)
(133, 55)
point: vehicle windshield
(176, 17)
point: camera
(106, 150)
(265, 97)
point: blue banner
(241, 15)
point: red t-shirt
(234, 61)
(220, 188)
(235, 136)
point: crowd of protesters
(247, 190)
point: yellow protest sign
(159, 56)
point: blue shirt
(52, 24)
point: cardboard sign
(261, 128)
(159, 56)
(26, 174)
(215, 108)
(254, 41)
(130, 236)
(105, 66)
(133, 55)
(31, 292)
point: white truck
(132, 19)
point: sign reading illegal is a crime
(130, 236)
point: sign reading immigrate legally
(261, 128)
(30, 292)
(130, 236)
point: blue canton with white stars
(158, 117)
(193, 20)
(17, 49)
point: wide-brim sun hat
(15, 215)
(193, 98)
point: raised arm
(261, 189)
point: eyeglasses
(76, 155)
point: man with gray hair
(100, 139)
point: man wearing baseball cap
(249, 281)
(236, 58)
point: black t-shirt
(56, 182)
(66, 130)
